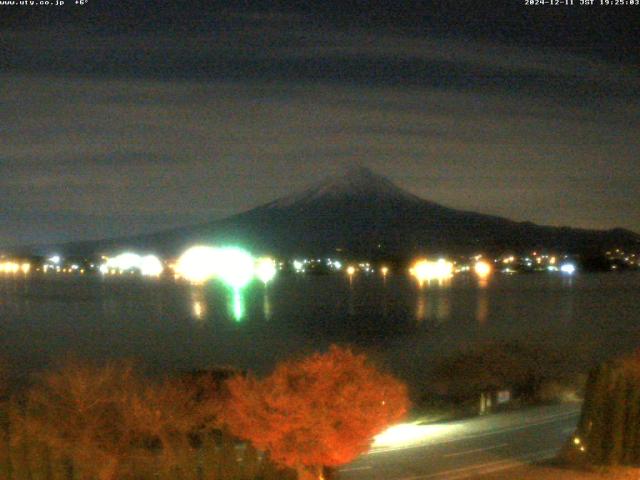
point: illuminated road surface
(469, 448)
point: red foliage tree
(110, 422)
(322, 410)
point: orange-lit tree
(322, 410)
(78, 411)
(109, 422)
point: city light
(198, 264)
(351, 270)
(234, 266)
(298, 266)
(482, 269)
(148, 265)
(426, 270)
(151, 266)
(266, 269)
(568, 268)
(9, 267)
(384, 271)
(124, 262)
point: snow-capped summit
(360, 213)
(355, 181)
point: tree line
(85, 421)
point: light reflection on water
(238, 304)
(482, 308)
(433, 303)
(266, 303)
(198, 302)
(421, 307)
(156, 321)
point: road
(466, 449)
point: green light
(235, 267)
(238, 310)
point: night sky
(126, 117)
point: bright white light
(55, 259)
(124, 261)
(150, 266)
(568, 268)
(198, 310)
(235, 267)
(298, 266)
(406, 435)
(266, 269)
(198, 264)
(425, 270)
(337, 264)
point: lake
(170, 326)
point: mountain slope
(363, 213)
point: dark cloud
(140, 117)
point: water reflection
(482, 304)
(433, 304)
(385, 272)
(385, 300)
(567, 307)
(238, 304)
(482, 307)
(111, 317)
(198, 303)
(266, 303)
(351, 309)
(443, 305)
(421, 306)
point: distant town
(201, 263)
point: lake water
(171, 326)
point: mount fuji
(362, 213)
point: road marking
(354, 469)
(484, 468)
(475, 450)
